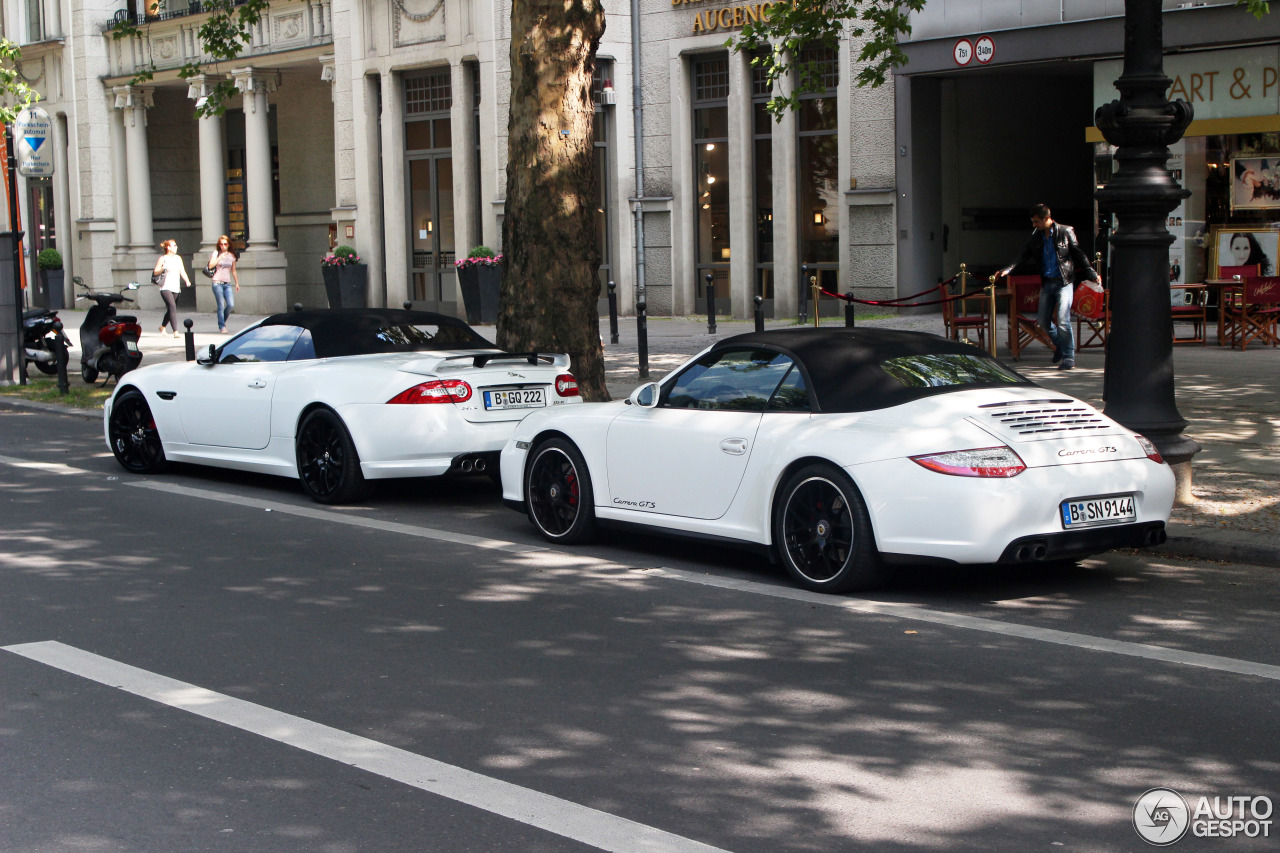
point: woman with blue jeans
(224, 272)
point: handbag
(1089, 300)
(157, 278)
(208, 272)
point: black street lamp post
(1142, 124)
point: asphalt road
(206, 660)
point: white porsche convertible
(336, 398)
(845, 451)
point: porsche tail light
(980, 462)
(566, 385)
(435, 391)
(1149, 449)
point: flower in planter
(480, 256)
(340, 257)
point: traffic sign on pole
(33, 146)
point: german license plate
(530, 398)
(1091, 512)
(131, 346)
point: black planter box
(345, 286)
(480, 287)
(49, 289)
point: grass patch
(45, 390)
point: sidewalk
(1230, 399)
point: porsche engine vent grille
(1040, 417)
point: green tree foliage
(223, 35)
(15, 94)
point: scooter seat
(125, 318)
(37, 312)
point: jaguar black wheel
(823, 532)
(558, 492)
(327, 461)
(131, 429)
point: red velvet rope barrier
(897, 303)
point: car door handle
(258, 383)
(734, 446)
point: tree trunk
(550, 258)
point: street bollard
(613, 313)
(59, 346)
(759, 312)
(804, 297)
(297, 306)
(642, 338)
(408, 306)
(189, 339)
(711, 306)
(850, 315)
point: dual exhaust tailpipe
(1031, 552)
(473, 463)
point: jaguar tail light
(566, 385)
(1149, 449)
(980, 462)
(435, 391)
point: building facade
(995, 112)
(382, 125)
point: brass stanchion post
(813, 288)
(991, 306)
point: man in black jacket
(1056, 254)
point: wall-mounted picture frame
(1255, 182)
(1244, 245)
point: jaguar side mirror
(645, 396)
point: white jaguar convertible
(845, 451)
(336, 398)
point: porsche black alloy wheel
(327, 461)
(558, 492)
(823, 532)
(135, 441)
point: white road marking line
(47, 467)
(978, 623)
(561, 817)
(878, 608)
(337, 517)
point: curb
(53, 408)
(1182, 541)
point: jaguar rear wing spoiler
(437, 364)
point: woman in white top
(175, 271)
(224, 272)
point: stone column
(741, 177)
(213, 170)
(256, 86)
(119, 178)
(262, 266)
(395, 203)
(133, 103)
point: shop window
(600, 81)
(428, 93)
(819, 165)
(711, 176)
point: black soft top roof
(843, 365)
(360, 331)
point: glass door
(431, 219)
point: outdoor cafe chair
(960, 316)
(1255, 316)
(1024, 305)
(1092, 332)
(1190, 311)
(1229, 297)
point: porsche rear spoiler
(436, 364)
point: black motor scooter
(40, 339)
(108, 341)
